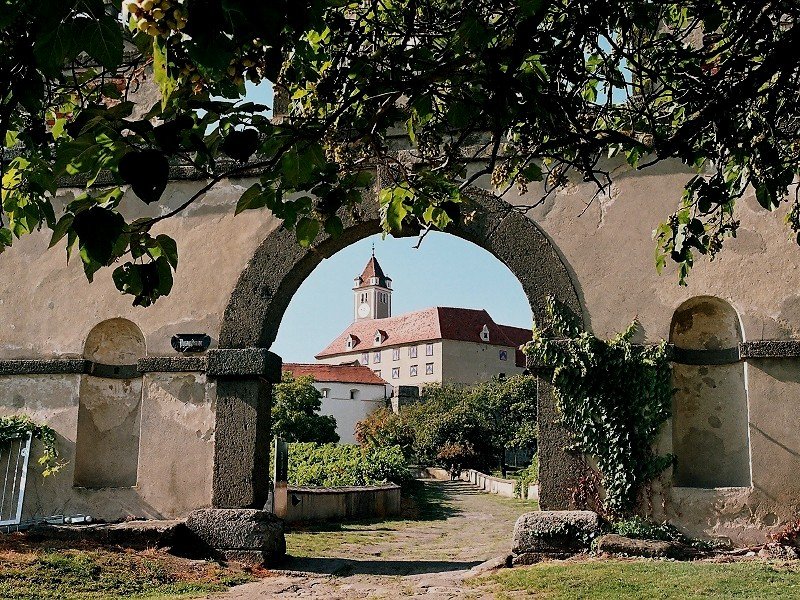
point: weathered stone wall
(174, 461)
(342, 503)
(235, 279)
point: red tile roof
(335, 373)
(373, 269)
(436, 323)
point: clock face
(363, 309)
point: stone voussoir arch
(279, 266)
(274, 274)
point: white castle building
(433, 345)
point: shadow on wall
(710, 412)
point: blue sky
(444, 271)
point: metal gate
(14, 456)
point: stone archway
(245, 369)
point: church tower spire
(372, 293)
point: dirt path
(453, 529)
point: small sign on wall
(190, 342)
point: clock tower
(372, 293)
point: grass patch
(422, 501)
(615, 579)
(102, 574)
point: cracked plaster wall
(47, 308)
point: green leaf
(147, 172)
(98, 230)
(767, 197)
(169, 249)
(394, 208)
(307, 230)
(533, 172)
(56, 46)
(334, 226)
(250, 196)
(161, 75)
(103, 41)
(61, 229)
(241, 145)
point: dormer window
(485, 333)
(352, 342)
(380, 337)
(373, 281)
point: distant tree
(295, 408)
(384, 429)
(509, 405)
(462, 425)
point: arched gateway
(245, 369)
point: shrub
(526, 477)
(384, 429)
(644, 529)
(789, 535)
(330, 465)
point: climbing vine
(613, 397)
(18, 426)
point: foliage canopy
(295, 412)
(462, 425)
(330, 465)
(442, 94)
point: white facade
(350, 403)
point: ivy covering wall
(613, 397)
(17, 426)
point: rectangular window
(428, 349)
(325, 392)
(503, 354)
(412, 370)
(396, 373)
(365, 358)
(376, 357)
(412, 352)
(428, 368)
(396, 354)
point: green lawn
(618, 579)
(103, 575)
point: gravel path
(427, 556)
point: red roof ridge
(335, 373)
(373, 269)
(427, 324)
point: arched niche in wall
(109, 413)
(710, 415)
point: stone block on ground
(619, 544)
(776, 551)
(556, 531)
(243, 535)
(128, 534)
(531, 558)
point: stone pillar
(242, 440)
(559, 469)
